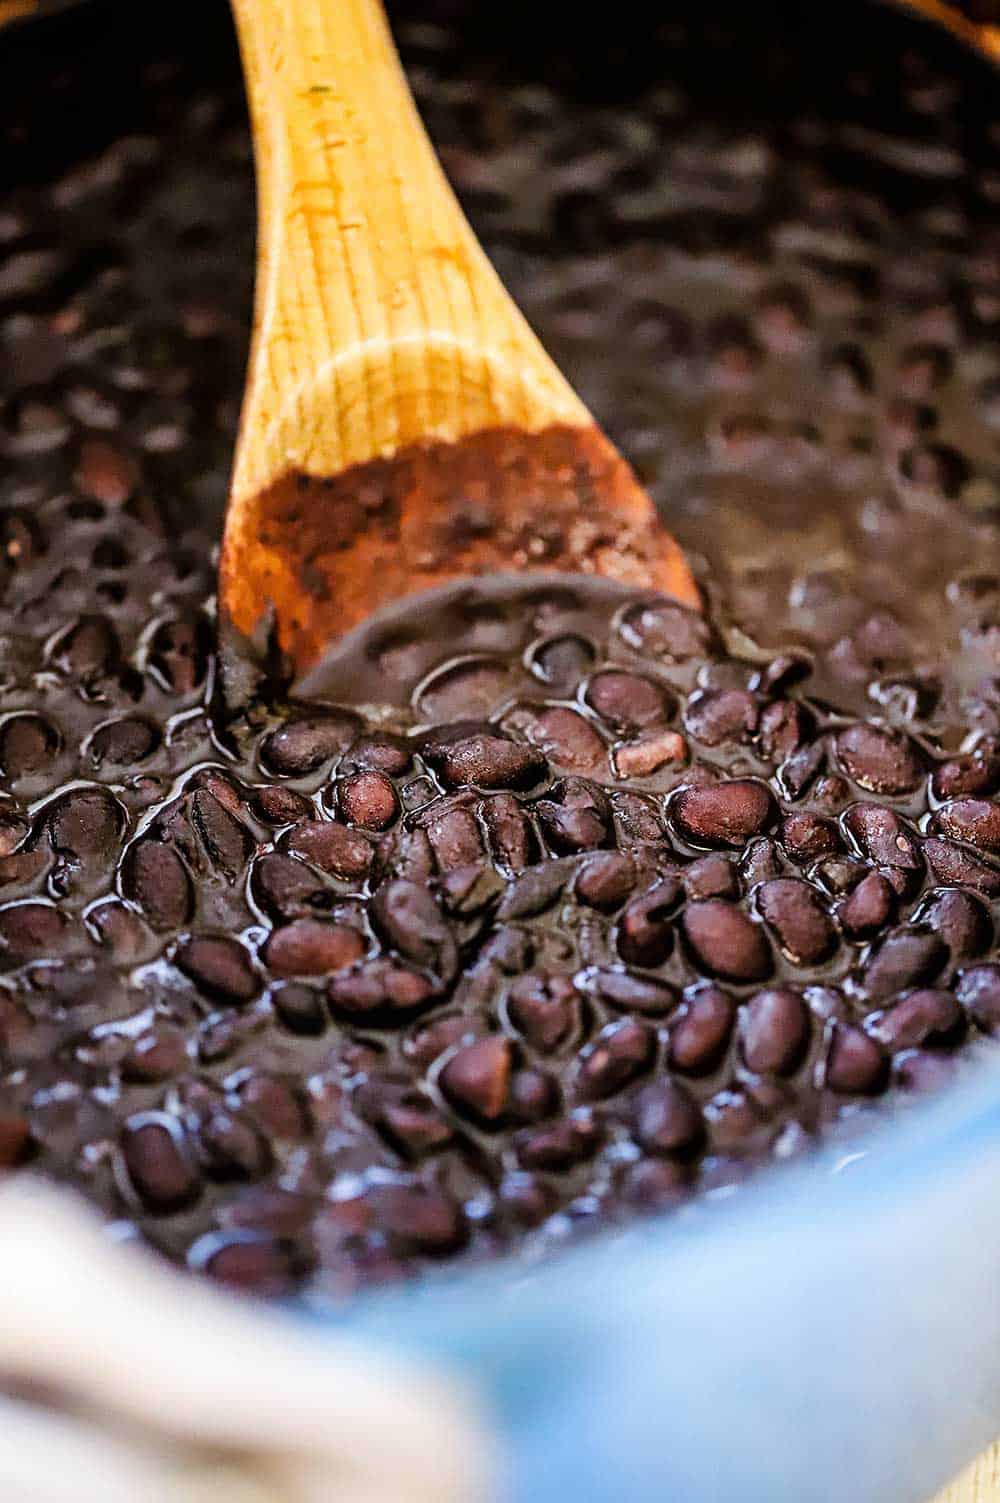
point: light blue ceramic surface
(828, 1334)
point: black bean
(340, 852)
(955, 863)
(287, 889)
(785, 726)
(407, 854)
(924, 1016)
(884, 761)
(533, 1096)
(299, 1008)
(605, 881)
(649, 752)
(121, 930)
(219, 966)
(470, 891)
(905, 958)
(484, 760)
(922, 1070)
(718, 716)
(855, 1065)
(275, 1105)
(657, 1183)
(881, 836)
(155, 878)
(86, 650)
(227, 842)
(628, 702)
(638, 818)
(513, 843)
(723, 814)
(971, 775)
(620, 1053)
(305, 742)
(122, 743)
(978, 990)
(545, 1009)
(454, 834)
(378, 752)
(219, 1037)
(962, 922)
(535, 890)
(868, 908)
(799, 770)
(667, 1119)
(407, 917)
(368, 799)
(476, 1079)
(974, 820)
(567, 738)
(711, 877)
(700, 1032)
(157, 1162)
(725, 942)
(28, 745)
(472, 687)
(227, 1146)
(645, 934)
(559, 1146)
(249, 1261)
(808, 837)
(760, 862)
(411, 1122)
(312, 947)
(379, 991)
(419, 1218)
(34, 929)
(156, 1055)
(628, 993)
(775, 1031)
(430, 1039)
(85, 826)
(280, 806)
(841, 874)
(796, 913)
(735, 1122)
(576, 818)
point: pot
(830, 1333)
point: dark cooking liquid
(584, 904)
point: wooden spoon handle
(380, 320)
(983, 35)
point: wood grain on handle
(982, 35)
(380, 321)
(16, 10)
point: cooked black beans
(611, 901)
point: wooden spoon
(402, 425)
